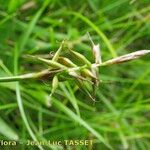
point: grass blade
(31, 26)
(99, 32)
(7, 131)
(79, 120)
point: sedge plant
(62, 68)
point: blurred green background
(119, 119)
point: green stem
(25, 76)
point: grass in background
(120, 118)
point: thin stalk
(25, 76)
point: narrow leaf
(7, 131)
(79, 120)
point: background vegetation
(120, 117)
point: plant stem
(25, 76)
